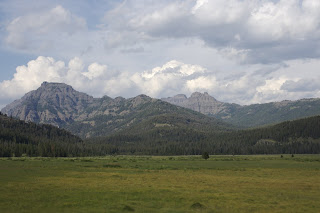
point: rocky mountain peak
(59, 104)
(51, 102)
(47, 89)
(204, 97)
(140, 99)
(61, 95)
(143, 96)
(53, 84)
(200, 102)
(181, 99)
(177, 99)
(181, 96)
(196, 95)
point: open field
(161, 184)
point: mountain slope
(168, 133)
(250, 115)
(133, 113)
(83, 115)
(290, 137)
(274, 112)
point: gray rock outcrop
(202, 102)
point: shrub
(205, 155)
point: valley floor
(262, 183)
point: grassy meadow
(262, 183)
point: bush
(205, 155)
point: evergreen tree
(205, 155)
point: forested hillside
(19, 138)
(299, 136)
(160, 135)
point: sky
(239, 51)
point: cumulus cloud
(95, 70)
(202, 83)
(96, 79)
(31, 76)
(262, 85)
(172, 78)
(273, 83)
(42, 69)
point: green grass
(161, 184)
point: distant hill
(250, 115)
(59, 104)
(19, 138)
(290, 137)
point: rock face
(250, 115)
(204, 103)
(53, 103)
(59, 104)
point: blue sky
(242, 51)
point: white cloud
(220, 11)
(39, 30)
(285, 20)
(174, 67)
(96, 79)
(273, 83)
(224, 35)
(31, 76)
(169, 79)
(239, 51)
(267, 31)
(202, 83)
(42, 69)
(95, 70)
(261, 85)
(259, 31)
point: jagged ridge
(250, 115)
(59, 104)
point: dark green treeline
(299, 136)
(20, 138)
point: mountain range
(144, 125)
(248, 115)
(60, 105)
